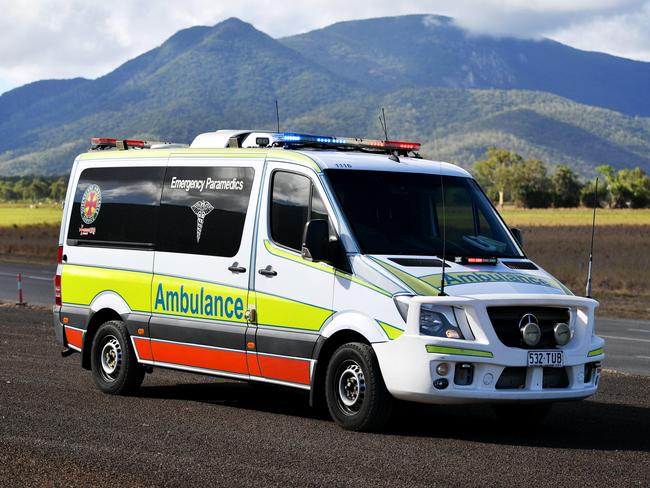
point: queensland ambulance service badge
(91, 202)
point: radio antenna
(591, 247)
(444, 234)
(382, 121)
(277, 114)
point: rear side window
(294, 201)
(116, 206)
(203, 209)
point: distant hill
(432, 51)
(200, 79)
(457, 94)
(458, 125)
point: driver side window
(294, 201)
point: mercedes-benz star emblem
(530, 331)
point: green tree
(626, 187)
(39, 189)
(7, 191)
(20, 190)
(531, 185)
(566, 187)
(58, 189)
(588, 192)
(635, 187)
(615, 191)
(498, 173)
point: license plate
(549, 359)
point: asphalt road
(38, 285)
(627, 348)
(57, 429)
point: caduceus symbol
(201, 209)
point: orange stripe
(74, 337)
(143, 346)
(253, 365)
(200, 357)
(291, 370)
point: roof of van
(317, 159)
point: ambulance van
(350, 268)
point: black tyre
(522, 415)
(114, 365)
(357, 398)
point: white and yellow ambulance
(350, 268)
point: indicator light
(442, 369)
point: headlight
(437, 321)
(437, 324)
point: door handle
(268, 271)
(235, 268)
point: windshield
(401, 213)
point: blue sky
(63, 39)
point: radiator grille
(505, 321)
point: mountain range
(456, 92)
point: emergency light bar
(250, 139)
(290, 139)
(97, 143)
(106, 142)
(471, 260)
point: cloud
(624, 34)
(68, 38)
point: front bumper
(409, 367)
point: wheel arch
(341, 328)
(323, 351)
(357, 322)
(105, 306)
(96, 320)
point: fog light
(562, 333)
(531, 333)
(464, 374)
(442, 369)
(441, 383)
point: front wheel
(357, 398)
(114, 365)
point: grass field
(21, 215)
(521, 217)
(556, 239)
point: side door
(200, 287)
(293, 296)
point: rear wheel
(114, 365)
(357, 398)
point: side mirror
(518, 235)
(315, 241)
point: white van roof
(319, 152)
